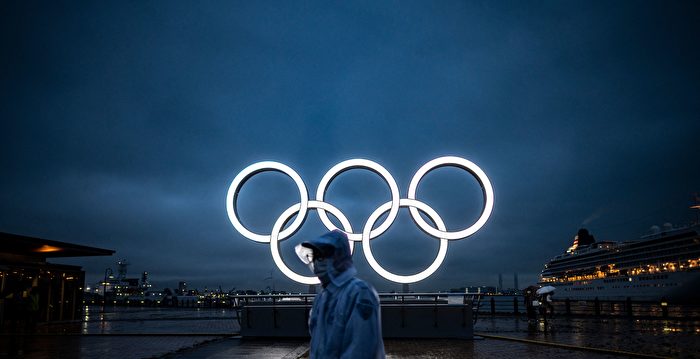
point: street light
(108, 272)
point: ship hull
(676, 287)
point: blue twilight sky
(123, 124)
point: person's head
(327, 256)
(321, 260)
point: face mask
(319, 266)
(320, 269)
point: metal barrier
(627, 308)
(516, 305)
(404, 315)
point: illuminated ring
(480, 176)
(442, 252)
(242, 177)
(374, 167)
(274, 241)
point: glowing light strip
(469, 166)
(374, 167)
(274, 242)
(442, 252)
(242, 177)
(279, 234)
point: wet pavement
(654, 337)
(89, 346)
(121, 320)
(211, 333)
(395, 348)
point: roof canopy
(44, 248)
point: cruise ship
(661, 266)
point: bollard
(307, 311)
(403, 313)
(435, 313)
(274, 313)
(493, 306)
(515, 305)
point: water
(149, 320)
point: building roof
(44, 248)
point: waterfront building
(26, 275)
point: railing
(242, 302)
(403, 315)
(517, 305)
(488, 304)
(403, 300)
(628, 308)
(502, 304)
(385, 298)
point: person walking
(345, 320)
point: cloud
(123, 125)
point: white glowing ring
(480, 176)
(374, 167)
(412, 204)
(242, 177)
(274, 242)
(278, 234)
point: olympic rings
(279, 233)
(374, 167)
(442, 252)
(242, 177)
(471, 168)
(282, 220)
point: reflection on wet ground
(209, 333)
(125, 320)
(676, 338)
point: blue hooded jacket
(345, 320)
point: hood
(342, 268)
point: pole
(108, 271)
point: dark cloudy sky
(123, 124)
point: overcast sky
(124, 123)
